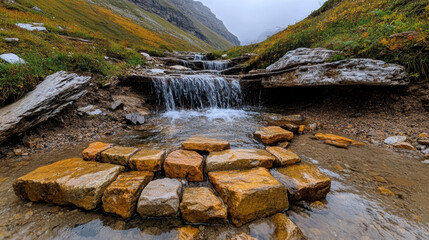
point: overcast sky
(250, 20)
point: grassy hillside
(360, 28)
(117, 30)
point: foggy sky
(250, 20)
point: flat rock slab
(118, 155)
(121, 196)
(93, 152)
(68, 182)
(201, 205)
(337, 140)
(278, 226)
(239, 159)
(147, 160)
(284, 157)
(273, 134)
(160, 198)
(184, 164)
(205, 144)
(303, 181)
(250, 194)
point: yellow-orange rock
(337, 144)
(280, 227)
(338, 139)
(250, 194)
(188, 233)
(283, 156)
(303, 181)
(404, 146)
(121, 196)
(184, 164)
(205, 144)
(239, 159)
(71, 181)
(118, 155)
(243, 236)
(201, 205)
(92, 153)
(273, 134)
(147, 160)
(386, 192)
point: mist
(253, 20)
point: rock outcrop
(302, 56)
(49, 98)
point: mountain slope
(394, 31)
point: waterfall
(199, 57)
(215, 65)
(197, 92)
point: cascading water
(197, 92)
(199, 57)
(215, 65)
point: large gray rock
(345, 72)
(12, 58)
(51, 96)
(302, 56)
(38, 27)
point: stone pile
(120, 180)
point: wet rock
(318, 205)
(188, 233)
(91, 110)
(147, 160)
(283, 156)
(118, 155)
(243, 236)
(205, 144)
(160, 198)
(38, 27)
(278, 226)
(11, 40)
(395, 139)
(116, 105)
(337, 140)
(386, 192)
(93, 152)
(283, 144)
(179, 68)
(71, 181)
(404, 146)
(303, 181)
(239, 159)
(49, 98)
(250, 194)
(273, 134)
(121, 196)
(201, 205)
(302, 56)
(184, 164)
(12, 58)
(135, 118)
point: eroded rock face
(273, 134)
(147, 160)
(283, 156)
(121, 196)
(278, 226)
(302, 56)
(201, 205)
(50, 97)
(118, 155)
(160, 198)
(356, 71)
(68, 182)
(239, 159)
(184, 164)
(250, 194)
(303, 181)
(205, 144)
(93, 152)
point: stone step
(273, 134)
(147, 160)
(284, 157)
(184, 164)
(239, 159)
(93, 152)
(118, 155)
(205, 144)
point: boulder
(147, 160)
(38, 27)
(201, 205)
(68, 182)
(49, 98)
(12, 58)
(11, 40)
(302, 56)
(250, 194)
(395, 139)
(278, 226)
(337, 140)
(160, 198)
(350, 72)
(184, 164)
(118, 155)
(121, 196)
(205, 144)
(146, 56)
(283, 156)
(93, 152)
(239, 159)
(273, 134)
(116, 105)
(303, 181)
(135, 118)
